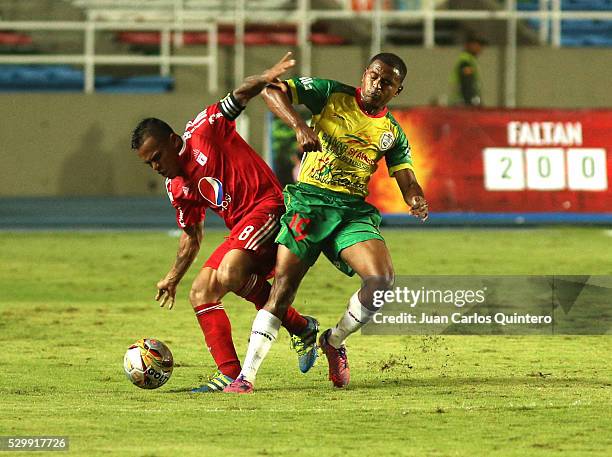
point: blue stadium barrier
(578, 32)
(527, 5)
(143, 213)
(137, 84)
(586, 5)
(63, 78)
(581, 26)
(586, 40)
(501, 219)
(91, 213)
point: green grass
(71, 303)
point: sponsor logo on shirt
(200, 157)
(211, 189)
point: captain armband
(230, 108)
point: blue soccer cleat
(306, 345)
(216, 383)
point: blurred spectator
(465, 79)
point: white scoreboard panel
(545, 169)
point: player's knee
(387, 280)
(205, 288)
(383, 281)
(205, 292)
(198, 296)
(374, 287)
(232, 277)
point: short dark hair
(150, 126)
(392, 60)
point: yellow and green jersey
(352, 141)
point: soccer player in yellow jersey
(352, 129)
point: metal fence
(179, 16)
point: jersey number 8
(246, 232)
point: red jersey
(220, 170)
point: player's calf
(354, 317)
(205, 297)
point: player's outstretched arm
(189, 246)
(412, 193)
(253, 85)
(277, 98)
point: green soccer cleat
(306, 345)
(216, 383)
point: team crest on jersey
(386, 140)
(211, 189)
(200, 157)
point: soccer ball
(148, 363)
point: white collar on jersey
(183, 147)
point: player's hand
(307, 139)
(419, 208)
(166, 293)
(271, 74)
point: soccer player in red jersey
(211, 166)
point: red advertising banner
(505, 161)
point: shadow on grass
(535, 380)
(185, 390)
(450, 385)
(459, 383)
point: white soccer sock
(263, 333)
(355, 317)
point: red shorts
(255, 233)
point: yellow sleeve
(294, 94)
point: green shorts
(319, 220)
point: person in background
(466, 80)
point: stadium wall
(75, 144)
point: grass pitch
(71, 303)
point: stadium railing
(166, 16)
(89, 58)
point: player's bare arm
(253, 85)
(189, 246)
(412, 193)
(277, 98)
